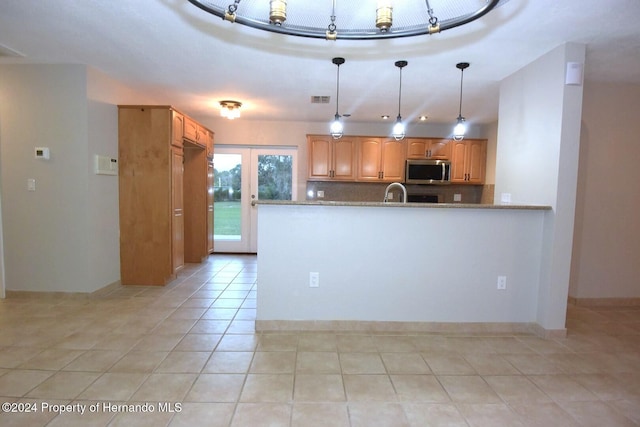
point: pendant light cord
(461, 77)
(400, 93)
(337, 90)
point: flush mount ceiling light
(461, 127)
(336, 126)
(230, 109)
(350, 19)
(398, 131)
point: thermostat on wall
(42, 153)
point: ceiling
(185, 57)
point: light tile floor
(187, 355)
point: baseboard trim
(98, 293)
(604, 302)
(453, 328)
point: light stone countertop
(399, 205)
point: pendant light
(461, 127)
(337, 128)
(398, 131)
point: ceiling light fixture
(408, 18)
(230, 109)
(461, 127)
(398, 131)
(336, 126)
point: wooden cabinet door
(177, 221)
(393, 160)
(177, 128)
(369, 159)
(468, 159)
(320, 153)
(344, 159)
(209, 144)
(190, 129)
(426, 148)
(417, 148)
(476, 161)
(458, 154)
(439, 149)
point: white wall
(607, 236)
(45, 238)
(402, 264)
(64, 236)
(537, 162)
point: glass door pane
(227, 172)
(275, 177)
(230, 199)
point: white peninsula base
(429, 268)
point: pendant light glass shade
(398, 131)
(460, 129)
(336, 129)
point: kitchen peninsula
(393, 266)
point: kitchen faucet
(395, 184)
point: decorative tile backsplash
(374, 192)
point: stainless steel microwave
(428, 172)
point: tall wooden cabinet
(163, 187)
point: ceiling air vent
(320, 99)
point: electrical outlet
(314, 279)
(320, 194)
(502, 283)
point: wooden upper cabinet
(380, 159)
(427, 148)
(344, 158)
(190, 129)
(331, 160)
(198, 134)
(369, 159)
(177, 128)
(468, 159)
(393, 160)
(209, 143)
(320, 152)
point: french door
(241, 175)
